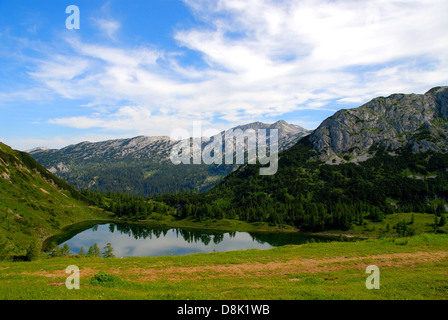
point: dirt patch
(290, 267)
(257, 269)
(5, 176)
(345, 236)
(56, 284)
(84, 272)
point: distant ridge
(142, 164)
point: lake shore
(413, 268)
(224, 225)
(370, 230)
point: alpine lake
(137, 240)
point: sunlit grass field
(410, 268)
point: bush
(443, 220)
(33, 251)
(105, 279)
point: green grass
(34, 204)
(413, 268)
(216, 224)
(423, 223)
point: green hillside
(35, 204)
(359, 166)
(315, 196)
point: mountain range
(142, 165)
(389, 155)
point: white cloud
(136, 120)
(264, 57)
(107, 26)
(79, 122)
(57, 142)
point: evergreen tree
(436, 223)
(442, 221)
(65, 250)
(108, 251)
(53, 250)
(93, 251)
(402, 228)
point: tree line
(305, 192)
(316, 196)
(93, 251)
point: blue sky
(151, 67)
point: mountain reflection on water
(133, 240)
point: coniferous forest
(306, 192)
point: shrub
(443, 220)
(33, 251)
(105, 279)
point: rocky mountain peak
(38, 149)
(284, 128)
(155, 149)
(400, 120)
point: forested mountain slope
(391, 156)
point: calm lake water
(130, 240)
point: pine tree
(442, 221)
(402, 228)
(361, 218)
(436, 223)
(65, 250)
(108, 251)
(94, 251)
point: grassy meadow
(410, 268)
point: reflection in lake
(131, 240)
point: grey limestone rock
(416, 121)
